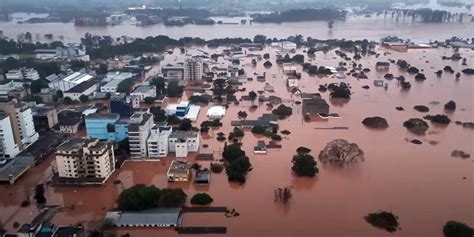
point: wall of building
(9, 148)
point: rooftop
(152, 217)
(103, 116)
(77, 77)
(179, 167)
(183, 135)
(143, 89)
(83, 86)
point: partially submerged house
(260, 148)
(315, 106)
(179, 171)
(266, 120)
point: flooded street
(421, 184)
(356, 27)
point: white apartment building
(183, 142)
(85, 161)
(20, 74)
(141, 123)
(26, 125)
(70, 81)
(9, 148)
(157, 143)
(193, 69)
(22, 125)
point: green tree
(237, 164)
(37, 85)
(283, 111)
(201, 199)
(159, 114)
(172, 198)
(159, 83)
(149, 100)
(304, 165)
(103, 69)
(39, 194)
(185, 125)
(125, 86)
(174, 90)
(138, 198)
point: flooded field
(421, 184)
(356, 27)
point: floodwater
(422, 184)
(356, 27)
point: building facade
(157, 143)
(141, 123)
(9, 148)
(106, 127)
(85, 161)
(20, 74)
(183, 142)
(193, 69)
(21, 119)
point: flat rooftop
(154, 217)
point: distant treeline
(100, 47)
(426, 15)
(13, 47)
(297, 15)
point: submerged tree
(341, 152)
(282, 195)
(304, 165)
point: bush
(201, 199)
(267, 64)
(457, 229)
(384, 220)
(84, 98)
(217, 168)
(303, 150)
(439, 118)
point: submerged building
(85, 161)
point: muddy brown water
(422, 184)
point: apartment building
(85, 161)
(183, 142)
(157, 143)
(141, 123)
(22, 125)
(193, 69)
(9, 148)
